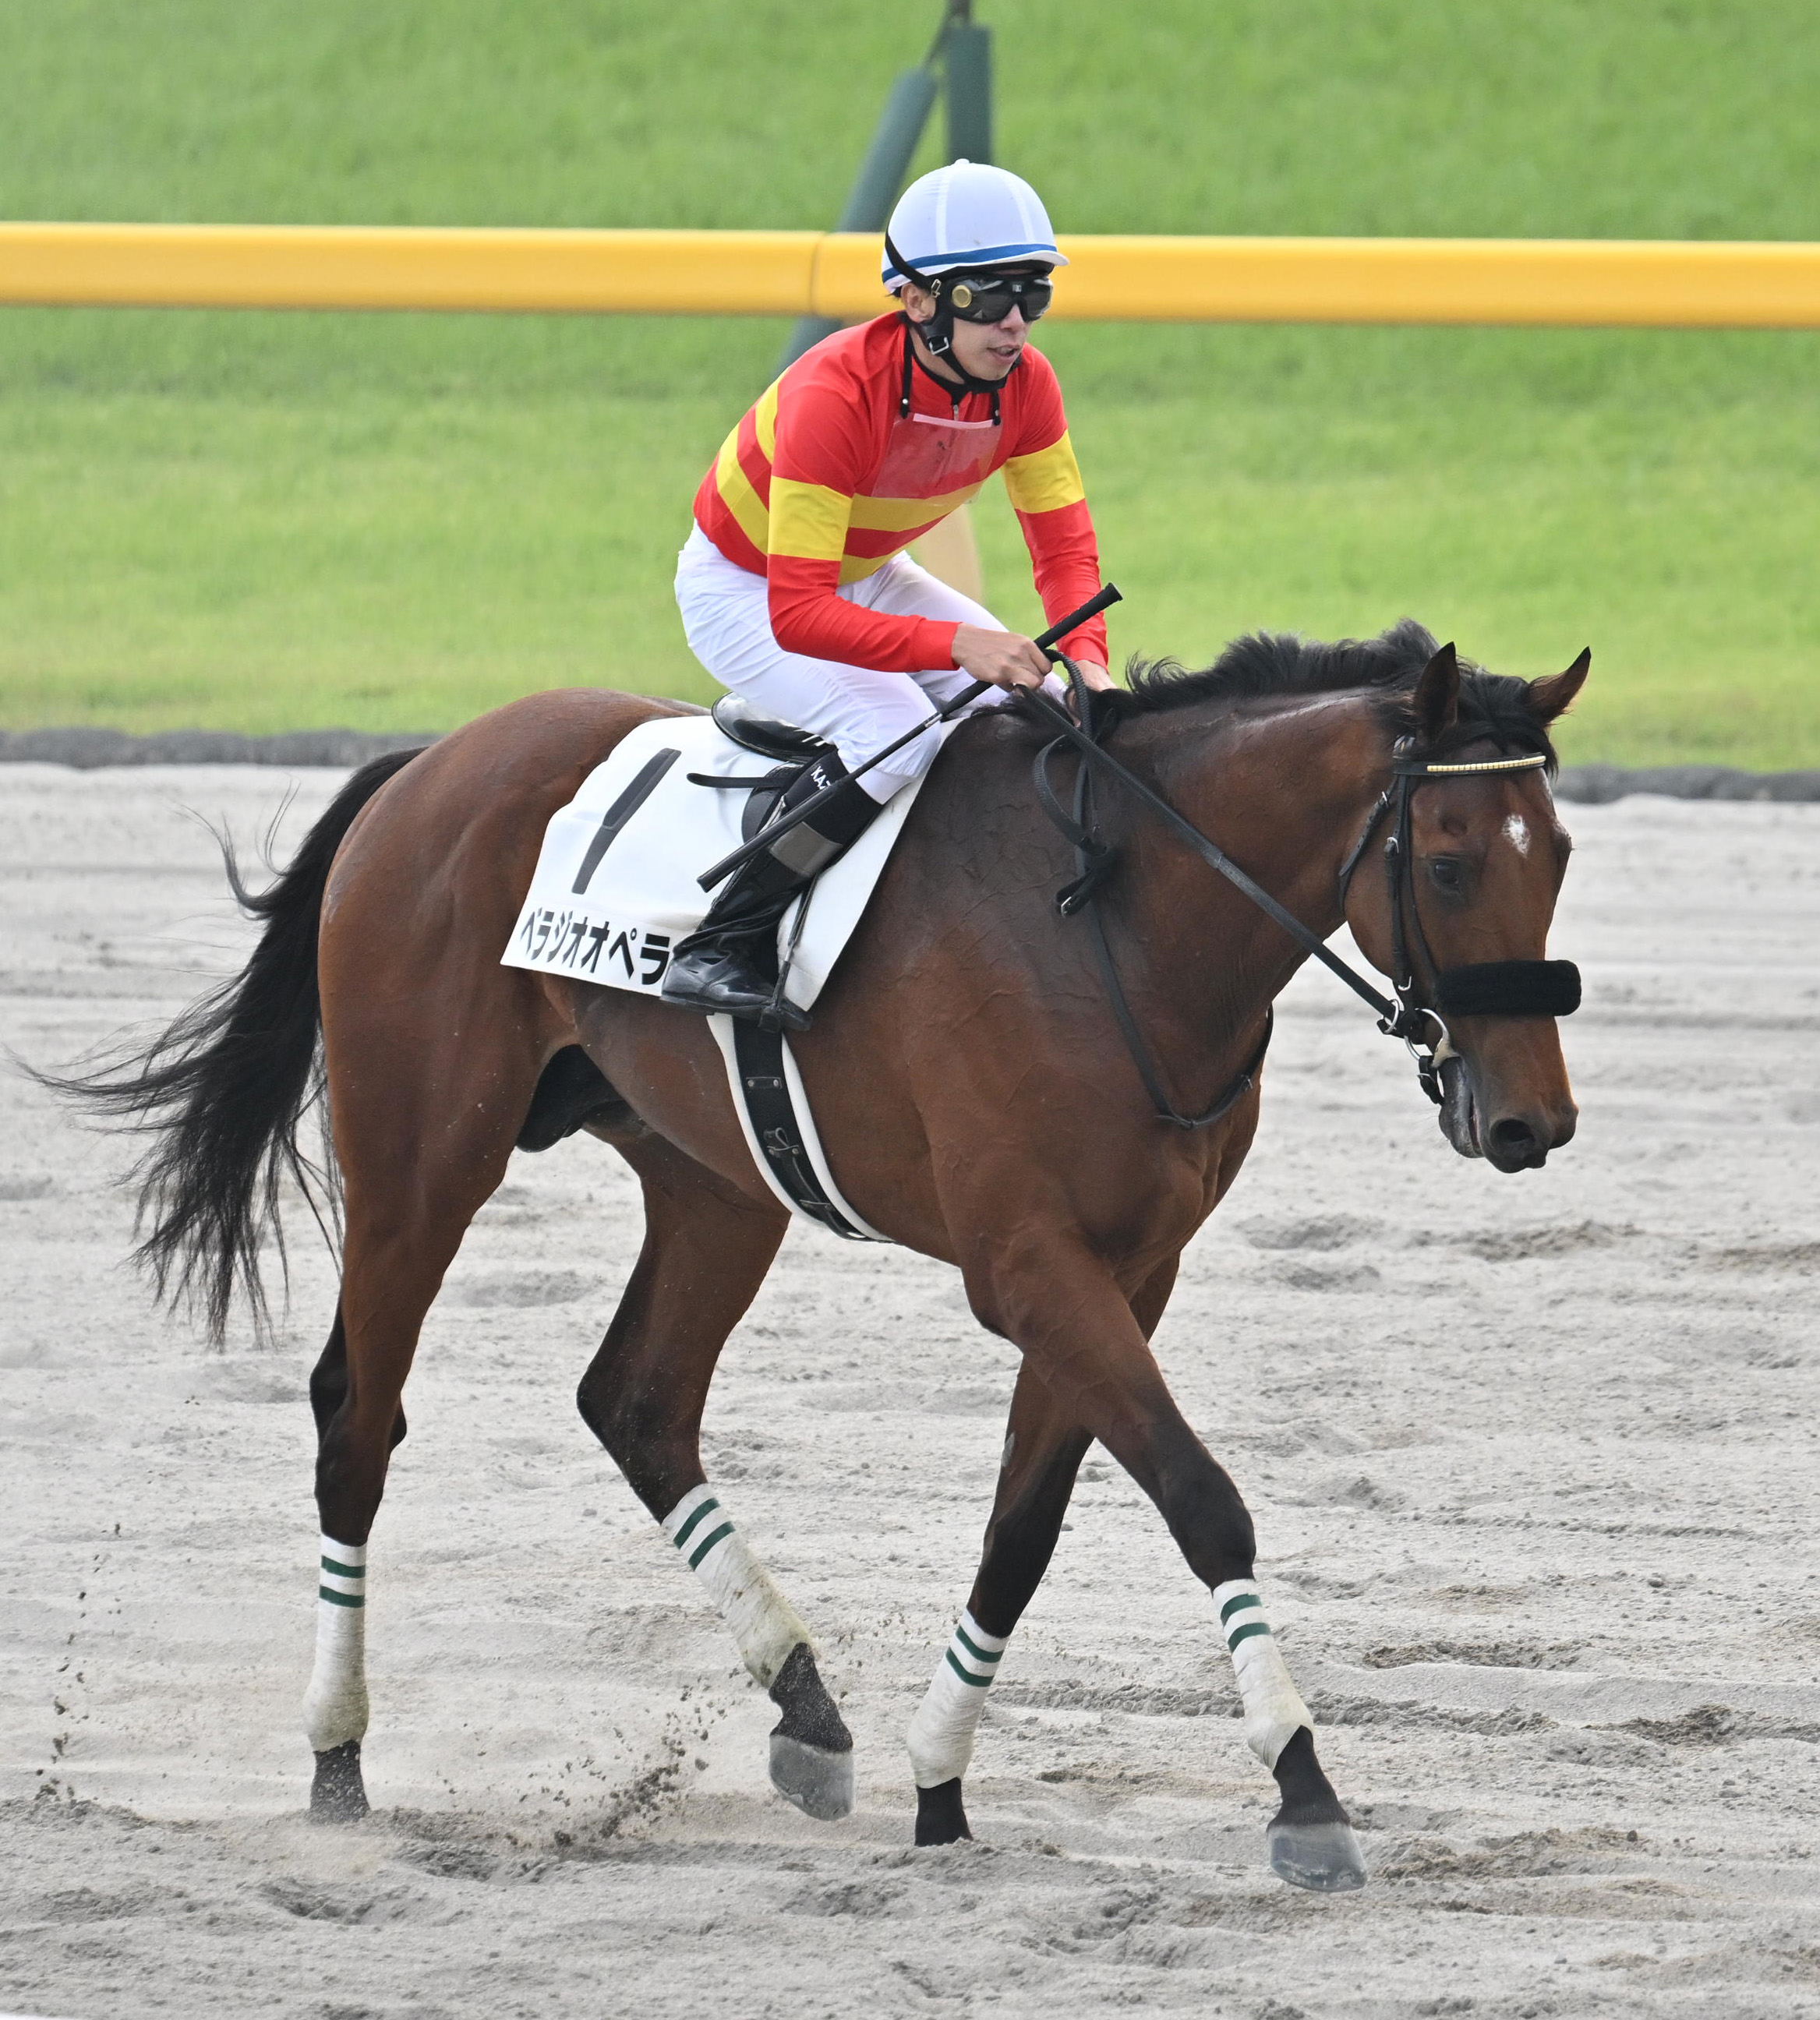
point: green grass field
(263, 521)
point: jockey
(794, 587)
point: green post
(881, 176)
(967, 49)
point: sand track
(1531, 1460)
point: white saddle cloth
(639, 897)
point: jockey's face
(983, 350)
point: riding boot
(728, 964)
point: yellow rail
(1593, 281)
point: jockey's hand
(1004, 658)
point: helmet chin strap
(938, 333)
(970, 383)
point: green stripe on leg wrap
(695, 1517)
(1237, 1603)
(973, 1648)
(701, 1550)
(1245, 1631)
(340, 1598)
(966, 1675)
(344, 1570)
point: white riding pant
(726, 617)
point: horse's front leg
(1042, 1451)
(1044, 1447)
(1084, 1343)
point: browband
(1416, 767)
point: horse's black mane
(1283, 663)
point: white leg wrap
(335, 1706)
(1274, 1712)
(941, 1735)
(764, 1623)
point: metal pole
(967, 49)
(881, 176)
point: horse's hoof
(941, 1816)
(338, 1794)
(1324, 1857)
(811, 1751)
(817, 1780)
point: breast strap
(1093, 858)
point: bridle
(1479, 989)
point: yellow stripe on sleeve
(737, 494)
(765, 421)
(809, 522)
(1046, 481)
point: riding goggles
(990, 297)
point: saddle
(616, 886)
(792, 751)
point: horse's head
(1452, 896)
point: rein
(1093, 858)
(1505, 988)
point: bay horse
(975, 1096)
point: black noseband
(1509, 988)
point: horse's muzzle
(1510, 1136)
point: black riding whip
(1045, 642)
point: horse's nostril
(1514, 1138)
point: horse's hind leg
(417, 1167)
(707, 1249)
(337, 1700)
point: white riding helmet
(969, 214)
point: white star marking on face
(1517, 828)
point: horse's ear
(1555, 695)
(1437, 699)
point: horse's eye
(1446, 873)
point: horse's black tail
(224, 1090)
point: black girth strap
(759, 1054)
(1509, 988)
